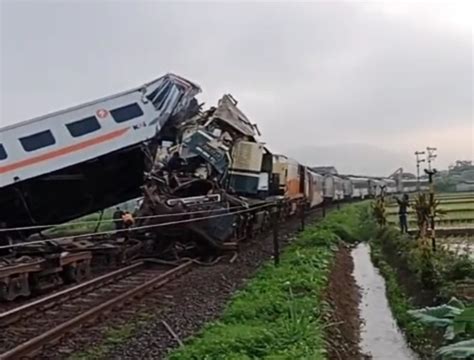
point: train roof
(175, 77)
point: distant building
(324, 170)
(465, 186)
(461, 166)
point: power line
(137, 228)
(86, 222)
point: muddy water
(380, 336)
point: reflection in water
(380, 335)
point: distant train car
(347, 188)
(390, 186)
(314, 188)
(338, 188)
(409, 186)
(375, 187)
(328, 188)
(360, 187)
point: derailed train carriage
(205, 177)
(73, 162)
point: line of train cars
(73, 162)
(315, 186)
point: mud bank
(343, 335)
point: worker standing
(403, 205)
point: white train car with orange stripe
(84, 132)
(77, 156)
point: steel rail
(34, 345)
(46, 302)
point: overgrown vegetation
(278, 315)
(417, 276)
(457, 322)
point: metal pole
(430, 155)
(432, 209)
(276, 245)
(418, 161)
(417, 175)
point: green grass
(278, 315)
(456, 195)
(450, 207)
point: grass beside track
(279, 314)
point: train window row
(76, 129)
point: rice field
(461, 245)
(457, 212)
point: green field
(458, 211)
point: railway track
(28, 328)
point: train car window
(126, 113)
(83, 127)
(38, 140)
(3, 152)
(158, 96)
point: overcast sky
(392, 75)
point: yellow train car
(291, 179)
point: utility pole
(418, 161)
(430, 156)
(431, 172)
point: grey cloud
(308, 74)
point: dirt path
(343, 335)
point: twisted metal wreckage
(204, 177)
(222, 168)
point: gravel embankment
(185, 305)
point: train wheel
(3, 292)
(83, 270)
(69, 273)
(12, 292)
(15, 287)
